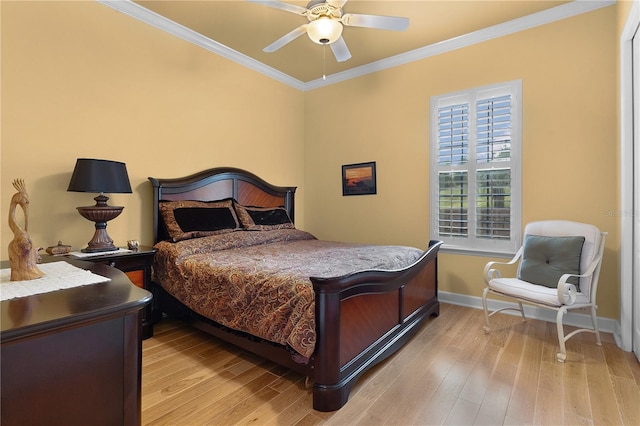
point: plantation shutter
(453, 150)
(453, 134)
(475, 138)
(493, 125)
(493, 185)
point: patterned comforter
(258, 281)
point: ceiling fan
(326, 19)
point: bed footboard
(363, 318)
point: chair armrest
(567, 289)
(491, 273)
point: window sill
(465, 251)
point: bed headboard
(217, 184)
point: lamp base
(99, 244)
(101, 213)
(97, 250)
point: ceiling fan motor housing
(324, 22)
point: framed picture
(359, 179)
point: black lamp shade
(91, 175)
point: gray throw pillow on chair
(545, 259)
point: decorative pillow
(263, 218)
(192, 219)
(546, 259)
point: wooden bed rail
(376, 281)
(363, 318)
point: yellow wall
(82, 80)
(568, 72)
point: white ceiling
(240, 30)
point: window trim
(473, 246)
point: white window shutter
(475, 168)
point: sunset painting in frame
(359, 179)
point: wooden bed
(361, 318)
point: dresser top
(24, 316)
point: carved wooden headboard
(217, 184)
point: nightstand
(137, 266)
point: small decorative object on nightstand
(137, 266)
(59, 249)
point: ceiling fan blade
(375, 21)
(287, 7)
(287, 38)
(340, 50)
(337, 3)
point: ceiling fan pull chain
(324, 62)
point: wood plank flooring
(450, 373)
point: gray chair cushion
(546, 259)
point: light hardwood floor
(449, 373)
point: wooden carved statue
(23, 257)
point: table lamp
(91, 175)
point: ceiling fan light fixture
(324, 30)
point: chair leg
(562, 355)
(487, 328)
(594, 320)
(522, 311)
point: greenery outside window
(476, 141)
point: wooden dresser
(73, 357)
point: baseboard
(617, 337)
(576, 319)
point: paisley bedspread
(258, 281)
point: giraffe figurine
(23, 257)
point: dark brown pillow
(263, 218)
(193, 219)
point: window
(475, 168)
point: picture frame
(359, 179)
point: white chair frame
(566, 297)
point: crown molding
(147, 16)
(557, 13)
